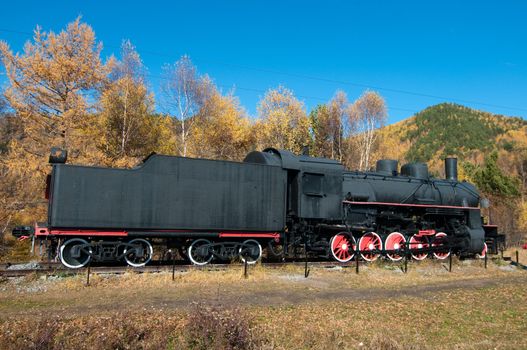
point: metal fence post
(245, 272)
(88, 274)
(306, 270)
(406, 261)
(357, 253)
(174, 268)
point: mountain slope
(451, 130)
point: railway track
(57, 269)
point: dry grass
(522, 254)
(444, 320)
(457, 319)
(381, 308)
(379, 274)
(15, 251)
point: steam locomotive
(274, 202)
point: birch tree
(222, 129)
(329, 123)
(366, 115)
(184, 93)
(127, 108)
(317, 118)
(283, 121)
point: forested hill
(449, 129)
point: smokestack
(451, 168)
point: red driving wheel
(342, 247)
(418, 242)
(370, 242)
(395, 241)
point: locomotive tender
(274, 200)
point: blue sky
(459, 51)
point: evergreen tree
(490, 178)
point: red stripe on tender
(250, 234)
(87, 233)
(411, 205)
(44, 231)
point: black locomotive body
(289, 204)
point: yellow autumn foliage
(221, 130)
(51, 89)
(283, 122)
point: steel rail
(57, 269)
(48, 269)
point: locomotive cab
(314, 185)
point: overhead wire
(315, 78)
(236, 87)
(335, 81)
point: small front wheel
(483, 252)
